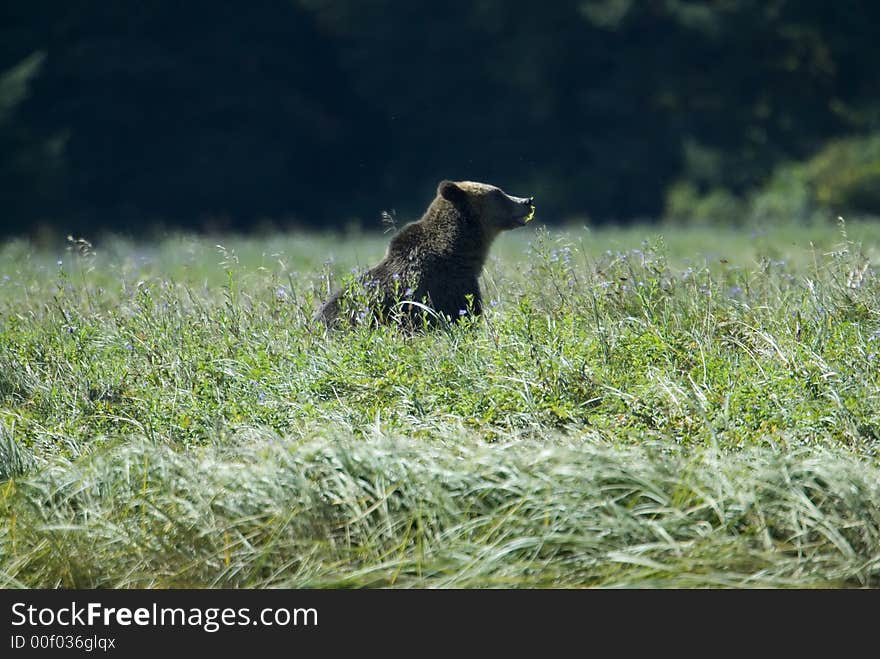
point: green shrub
(685, 203)
(786, 195)
(845, 176)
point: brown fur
(436, 261)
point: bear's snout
(524, 205)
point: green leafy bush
(685, 203)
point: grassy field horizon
(649, 406)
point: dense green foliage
(845, 174)
(696, 408)
(216, 114)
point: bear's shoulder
(410, 237)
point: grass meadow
(642, 407)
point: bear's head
(495, 209)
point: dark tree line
(224, 113)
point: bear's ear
(450, 192)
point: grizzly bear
(431, 268)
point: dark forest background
(224, 115)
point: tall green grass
(640, 407)
(559, 512)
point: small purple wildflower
(736, 291)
